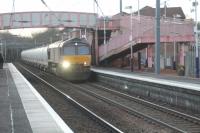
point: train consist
(70, 59)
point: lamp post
(104, 30)
(195, 4)
(138, 8)
(174, 61)
(131, 36)
(104, 36)
(157, 38)
(174, 33)
(104, 21)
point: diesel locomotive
(70, 59)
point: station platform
(171, 80)
(22, 108)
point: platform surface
(176, 81)
(22, 109)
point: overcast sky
(109, 7)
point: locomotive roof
(82, 40)
(55, 44)
(66, 42)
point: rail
(109, 126)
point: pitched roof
(170, 12)
(120, 14)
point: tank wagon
(70, 59)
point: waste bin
(1, 61)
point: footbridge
(173, 31)
(47, 19)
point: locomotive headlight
(66, 64)
(85, 63)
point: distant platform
(23, 110)
(176, 81)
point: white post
(80, 34)
(85, 33)
(51, 39)
(165, 15)
(17, 52)
(5, 50)
(138, 8)
(35, 43)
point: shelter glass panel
(26, 20)
(45, 18)
(17, 21)
(65, 19)
(55, 19)
(74, 19)
(35, 19)
(83, 20)
(6, 20)
(92, 20)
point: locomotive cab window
(69, 50)
(83, 50)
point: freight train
(70, 59)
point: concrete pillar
(182, 54)
(165, 54)
(80, 34)
(150, 55)
(139, 61)
(96, 48)
(146, 56)
(190, 61)
(174, 59)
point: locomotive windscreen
(69, 50)
(83, 50)
(76, 49)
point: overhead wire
(45, 4)
(12, 12)
(99, 7)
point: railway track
(172, 119)
(176, 121)
(106, 125)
